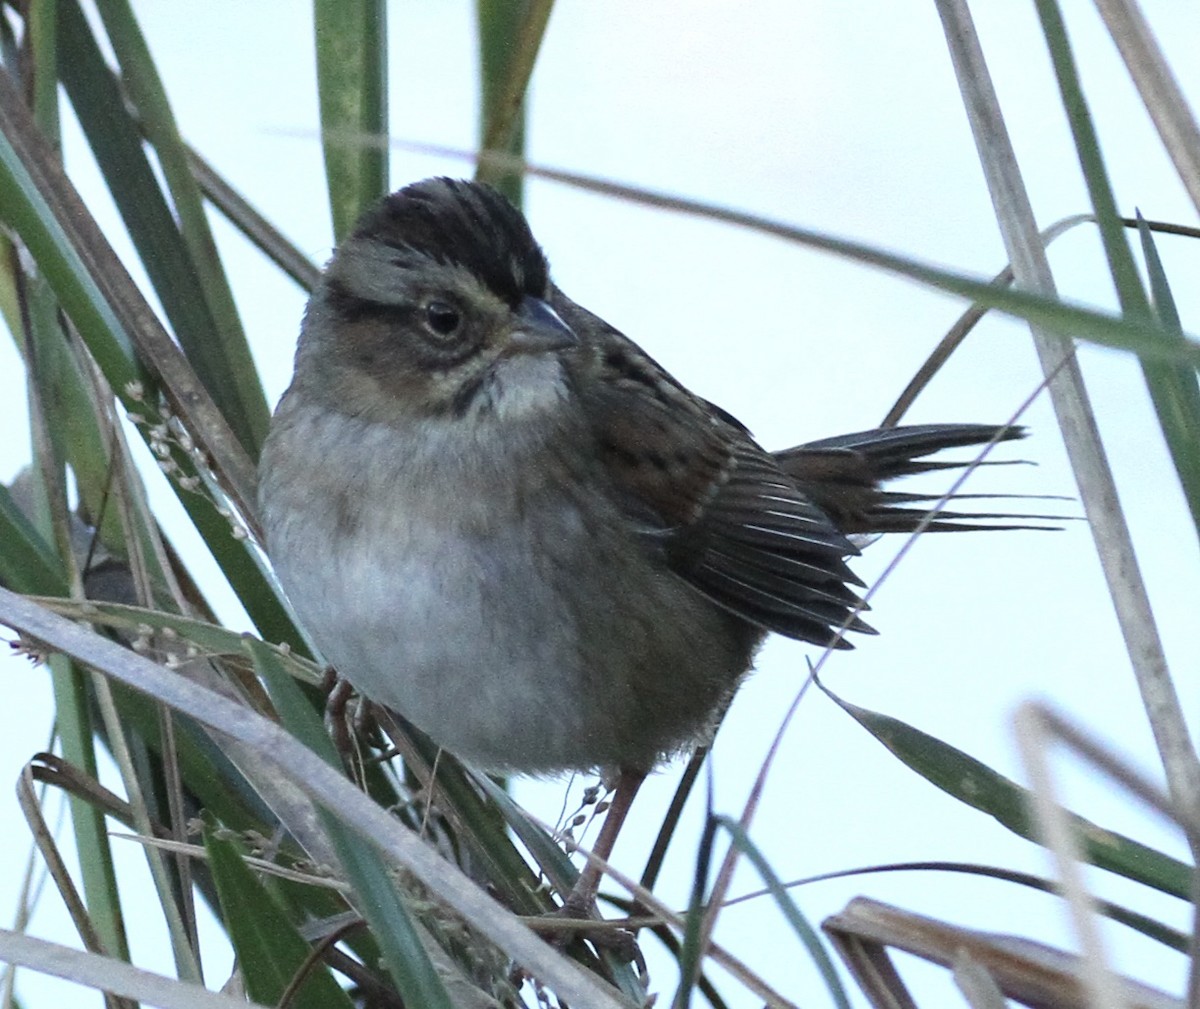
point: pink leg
(581, 901)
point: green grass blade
(1060, 318)
(10, 302)
(71, 421)
(27, 563)
(551, 859)
(352, 80)
(689, 946)
(269, 949)
(1112, 233)
(210, 777)
(41, 206)
(1173, 388)
(116, 141)
(28, 213)
(236, 366)
(799, 923)
(483, 828)
(974, 783)
(376, 895)
(1159, 696)
(510, 35)
(76, 734)
(381, 905)
(41, 23)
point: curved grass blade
(1147, 926)
(1060, 318)
(966, 322)
(974, 783)
(808, 935)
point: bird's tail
(844, 477)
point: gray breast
(504, 606)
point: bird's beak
(539, 330)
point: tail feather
(843, 477)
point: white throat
(522, 386)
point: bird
(498, 516)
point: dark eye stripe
(431, 351)
(350, 308)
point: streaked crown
(466, 224)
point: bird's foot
(577, 919)
(350, 719)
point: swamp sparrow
(498, 516)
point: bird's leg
(581, 901)
(349, 729)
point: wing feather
(724, 514)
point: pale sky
(843, 118)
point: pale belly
(516, 659)
(539, 644)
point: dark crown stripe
(463, 224)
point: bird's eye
(443, 319)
